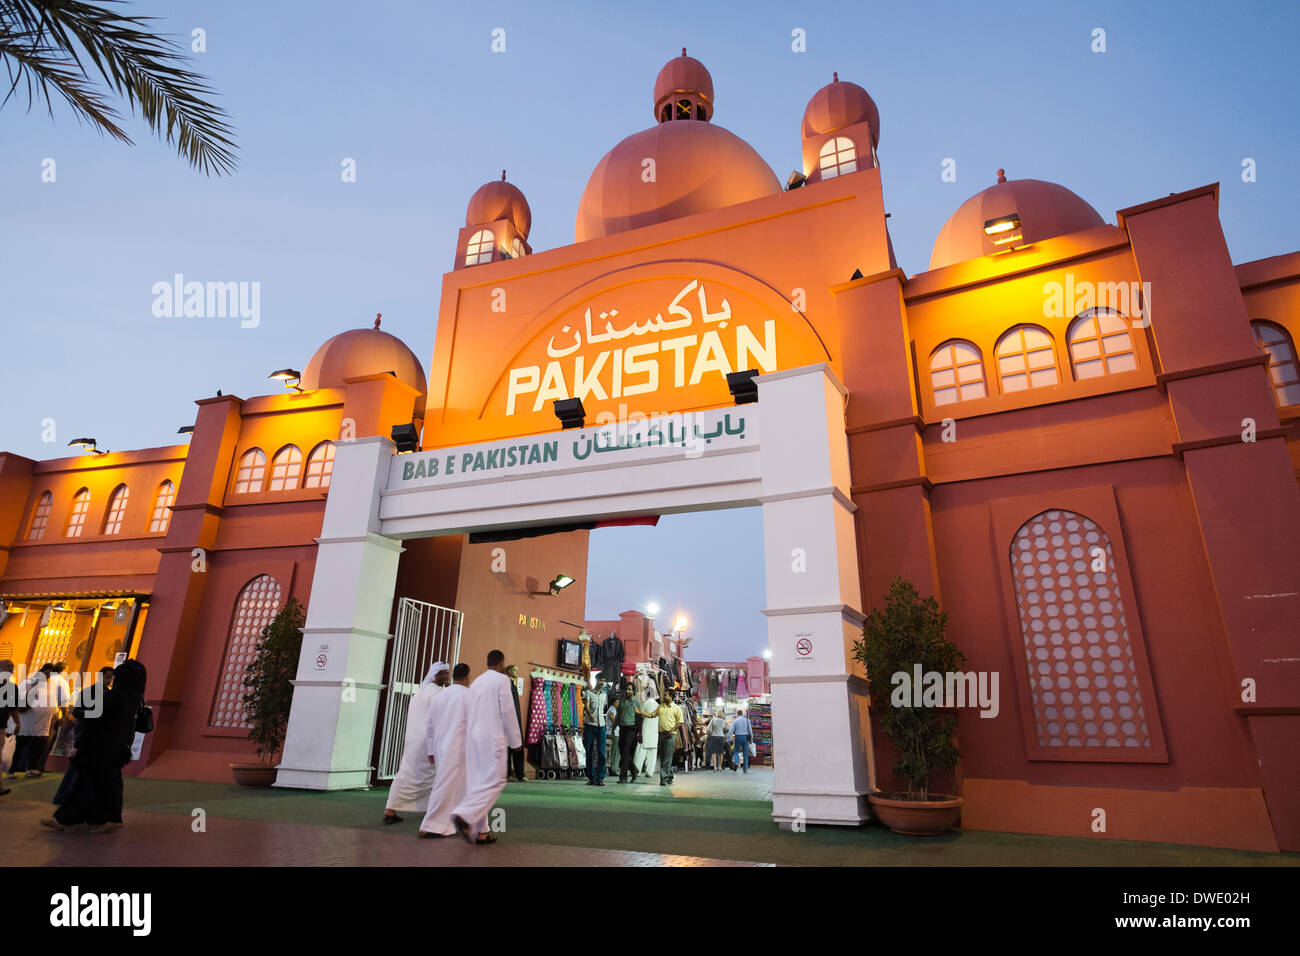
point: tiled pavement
(166, 839)
(704, 819)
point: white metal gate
(425, 633)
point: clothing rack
(553, 673)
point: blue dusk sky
(412, 91)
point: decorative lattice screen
(256, 606)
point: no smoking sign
(803, 646)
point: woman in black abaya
(103, 749)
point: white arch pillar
(821, 745)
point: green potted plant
(910, 631)
(268, 693)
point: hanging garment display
(742, 687)
(537, 711)
(712, 685)
(732, 677)
(612, 654)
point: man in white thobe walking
(445, 746)
(410, 788)
(491, 730)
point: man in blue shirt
(741, 734)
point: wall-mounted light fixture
(558, 584)
(405, 437)
(290, 377)
(88, 444)
(796, 180)
(1003, 230)
(743, 388)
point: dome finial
(835, 77)
(683, 51)
(1002, 175)
(378, 316)
(503, 175)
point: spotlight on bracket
(406, 438)
(796, 180)
(570, 412)
(743, 388)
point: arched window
(1083, 679)
(1026, 359)
(40, 517)
(1274, 342)
(517, 248)
(1100, 344)
(116, 510)
(838, 156)
(252, 471)
(286, 466)
(956, 373)
(320, 466)
(77, 520)
(162, 507)
(480, 247)
(256, 606)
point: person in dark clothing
(89, 701)
(628, 734)
(8, 704)
(103, 749)
(515, 759)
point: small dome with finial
(499, 200)
(840, 104)
(359, 352)
(683, 80)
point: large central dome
(696, 166)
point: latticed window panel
(838, 157)
(55, 638)
(1082, 676)
(320, 466)
(40, 517)
(255, 608)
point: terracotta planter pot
(253, 774)
(931, 817)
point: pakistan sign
(637, 441)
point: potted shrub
(909, 631)
(268, 693)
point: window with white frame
(1026, 359)
(162, 507)
(116, 510)
(286, 466)
(1283, 377)
(77, 519)
(480, 247)
(838, 156)
(320, 466)
(1100, 344)
(956, 373)
(40, 517)
(252, 472)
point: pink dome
(839, 104)
(360, 352)
(683, 74)
(698, 167)
(499, 200)
(1046, 210)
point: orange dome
(360, 352)
(839, 104)
(683, 74)
(499, 200)
(1045, 209)
(698, 167)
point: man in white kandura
(410, 789)
(491, 730)
(446, 753)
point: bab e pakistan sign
(689, 434)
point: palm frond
(44, 45)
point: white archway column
(821, 735)
(336, 693)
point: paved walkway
(705, 819)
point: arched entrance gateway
(1024, 422)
